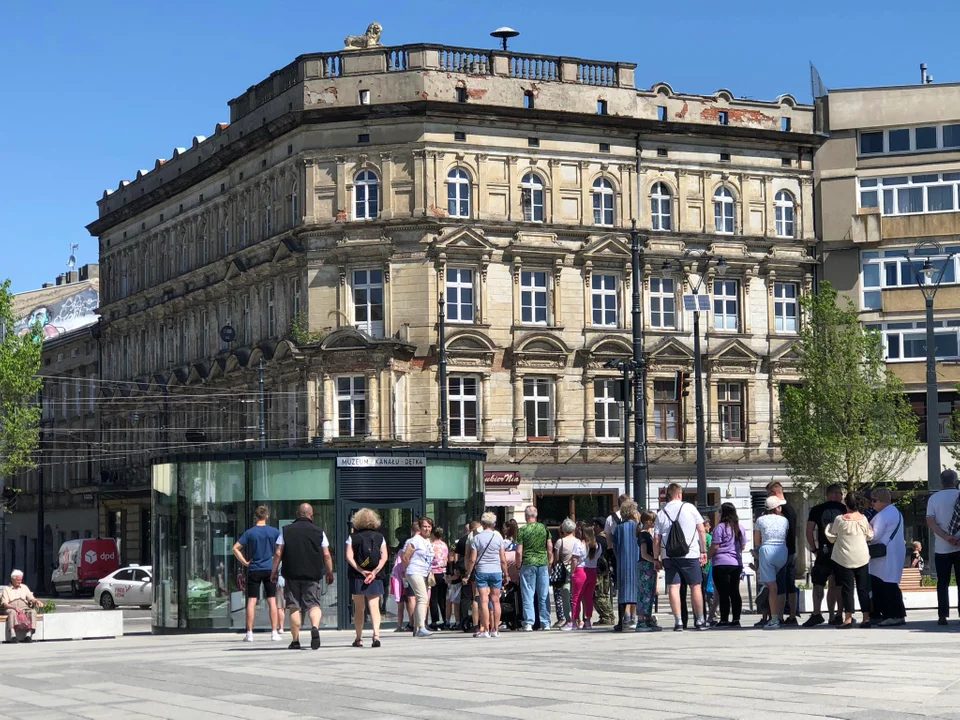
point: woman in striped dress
(628, 555)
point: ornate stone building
(351, 189)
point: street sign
(696, 302)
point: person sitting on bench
(18, 603)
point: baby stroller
(511, 607)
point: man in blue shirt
(254, 550)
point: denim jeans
(534, 579)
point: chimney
(46, 285)
(89, 271)
(71, 276)
(59, 280)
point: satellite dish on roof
(72, 260)
(503, 34)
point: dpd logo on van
(90, 556)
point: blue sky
(92, 91)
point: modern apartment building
(887, 182)
(351, 189)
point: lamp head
(721, 266)
(665, 266)
(928, 270)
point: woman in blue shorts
(487, 557)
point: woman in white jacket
(885, 571)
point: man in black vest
(305, 551)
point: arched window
(723, 210)
(660, 207)
(783, 211)
(531, 198)
(458, 193)
(602, 202)
(366, 195)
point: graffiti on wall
(62, 314)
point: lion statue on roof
(371, 38)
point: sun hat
(774, 502)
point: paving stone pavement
(789, 674)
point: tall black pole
(41, 566)
(627, 472)
(262, 428)
(639, 379)
(933, 403)
(442, 372)
(698, 400)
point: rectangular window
(528, 100)
(363, 138)
(460, 136)
(603, 299)
(295, 298)
(608, 408)
(601, 107)
(951, 136)
(926, 138)
(364, 97)
(908, 340)
(907, 195)
(533, 297)
(662, 152)
(871, 143)
(271, 311)
(722, 117)
(785, 124)
(898, 140)
(666, 410)
(351, 406)
(292, 204)
(604, 147)
(461, 94)
(726, 305)
(533, 142)
(724, 157)
(464, 407)
(538, 408)
(368, 301)
(459, 295)
(730, 403)
(785, 307)
(662, 113)
(663, 303)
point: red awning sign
(501, 478)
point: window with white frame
(666, 410)
(368, 301)
(531, 197)
(911, 194)
(538, 407)
(224, 240)
(926, 138)
(663, 303)
(893, 268)
(723, 211)
(533, 297)
(661, 207)
(785, 307)
(607, 408)
(268, 221)
(783, 213)
(602, 202)
(351, 406)
(292, 205)
(459, 295)
(604, 300)
(458, 193)
(295, 297)
(366, 195)
(726, 305)
(463, 406)
(730, 405)
(906, 341)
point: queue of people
(487, 581)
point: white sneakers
(248, 637)
(275, 636)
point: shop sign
(501, 478)
(365, 461)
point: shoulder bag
(880, 549)
(558, 571)
(473, 571)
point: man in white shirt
(946, 545)
(687, 565)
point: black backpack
(366, 549)
(677, 545)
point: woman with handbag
(560, 579)
(417, 559)
(366, 554)
(487, 564)
(888, 551)
(849, 534)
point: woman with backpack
(366, 555)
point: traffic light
(683, 383)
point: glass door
(395, 522)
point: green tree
(849, 422)
(19, 385)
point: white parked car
(131, 585)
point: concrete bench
(76, 626)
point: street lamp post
(928, 279)
(640, 465)
(705, 259)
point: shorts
(773, 560)
(304, 594)
(687, 568)
(493, 580)
(359, 587)
(823, 568)
(256, 578)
